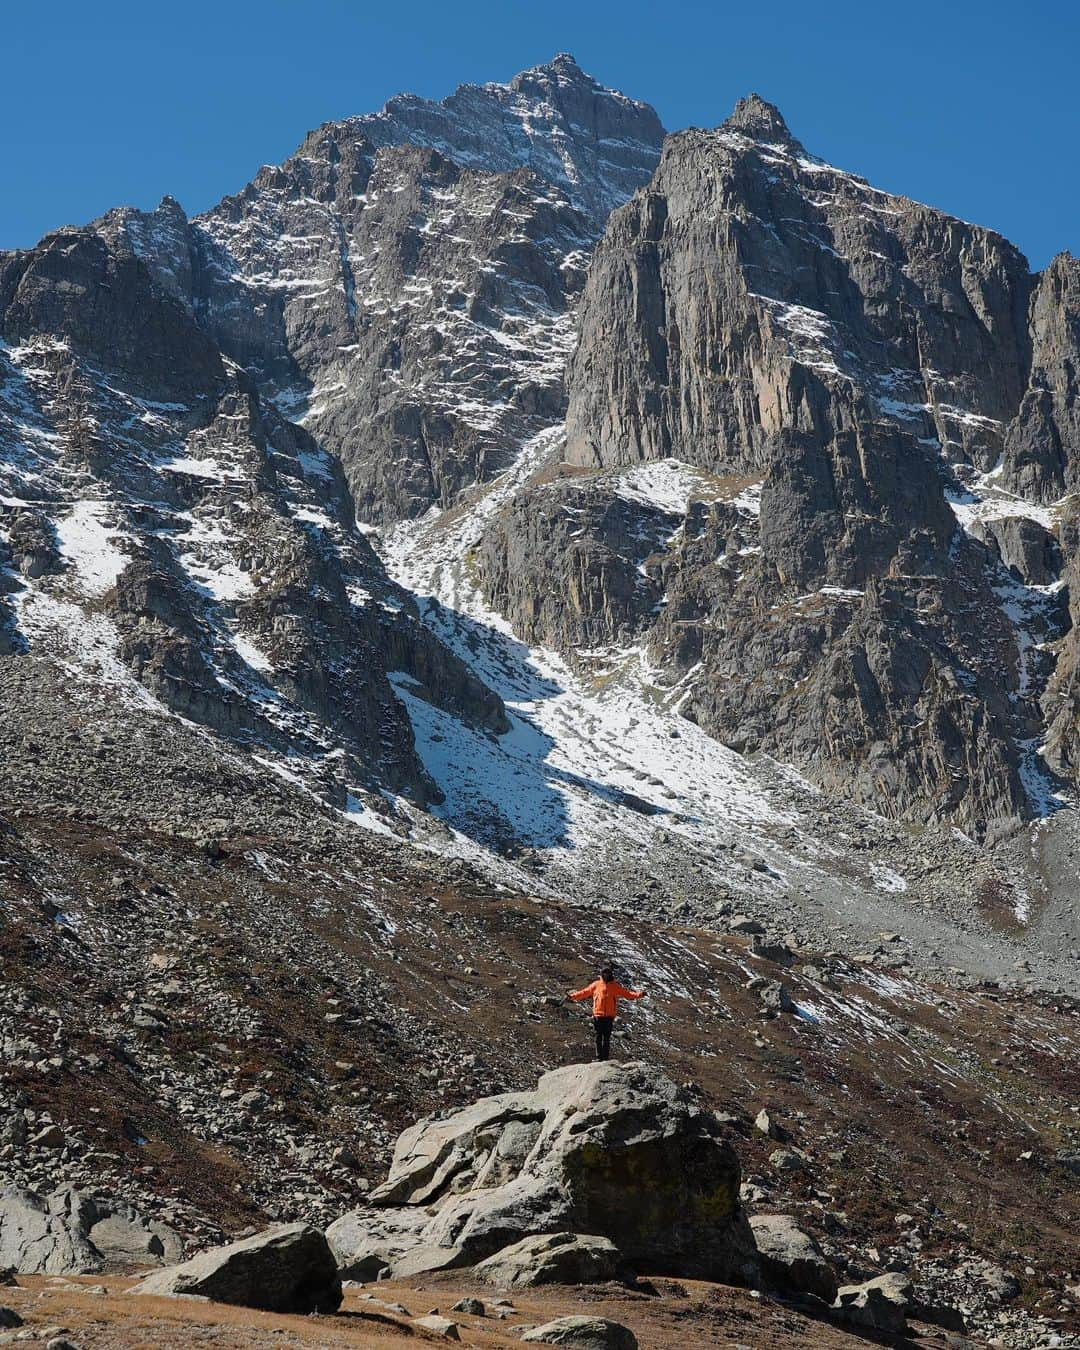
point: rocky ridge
(847, 577)
(403, 286)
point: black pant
(602, 1026)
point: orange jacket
(605, 996)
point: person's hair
(607, 973)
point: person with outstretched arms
(605, 994)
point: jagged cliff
(403, 285)
(862, 387)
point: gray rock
(1042, 442)
(1069, 1159)
(774, 998)
(474, 1307)
(779, 953)
(596, 1148)
(555, 1258)
(1026, 547)
(585, 1333)
(790, 1258)
(70, 1232)
(52, 1136)
(126, 1238)
(285, 1269)
(765, 1123)
(368, 1241)
(438, 1326)
(880, 1304)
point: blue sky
(971, 107)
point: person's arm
(582, 994)
(621, 992)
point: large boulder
(557, 1258)
(288, 1269)
(126, 1238)
(44, 1236)
(880, 1304)
(72, 1233)
(584, 1333)
(369, 1241)
(790, 1258)
(610, 1149)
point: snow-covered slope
(602, 793)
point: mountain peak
(755, 117)
(564, 61)
(562, 68)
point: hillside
(505, 537)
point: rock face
(614, 1150)
(790, 1258)
(805, 384)
(568, 562)
(286, 1269)
(71, 1233)
(1042, 442)
(558, 1258)
(829, 307)
(420, 330)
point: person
(605, 994)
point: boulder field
(602, 1173)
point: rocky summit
(502, 538)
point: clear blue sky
(971, 107)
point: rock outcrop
(611, 1150)
(557, 1258)
(829, 307)
(1042, 442)
(72, 1233)
(285, 1269)
(567, 562)
(880, 1304)
(790, 1258)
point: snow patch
(87, 543)
(666, 484)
